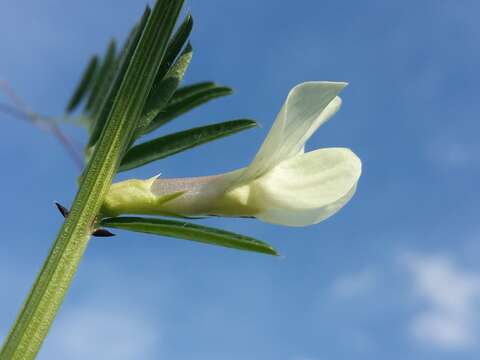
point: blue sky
(394, 275)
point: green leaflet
(171, 144)
(84, 84)
(102, 78)
(175, 46)
(125, 57)
(187, 99)
(163, 90)
(189, 90)
(189, 231)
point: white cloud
(450, 300)
(452, 153)
(87, 332)
(106, 319)
(351, 285)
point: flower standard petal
(306, 189)
(307, 107)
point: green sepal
(189, 231)
(168, 145)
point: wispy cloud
(109, 322)
(355, 284)
(87, 332)
(450, 300)
(452, 153)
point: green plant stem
(43, 302)
(52, 283)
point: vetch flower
(283, 184)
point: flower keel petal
(308, 188)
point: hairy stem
(52, 283)
(43, 302)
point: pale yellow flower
(283, 184)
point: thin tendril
(20, 110)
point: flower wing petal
(307, 107)
(308, 188)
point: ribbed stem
(52, 283)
